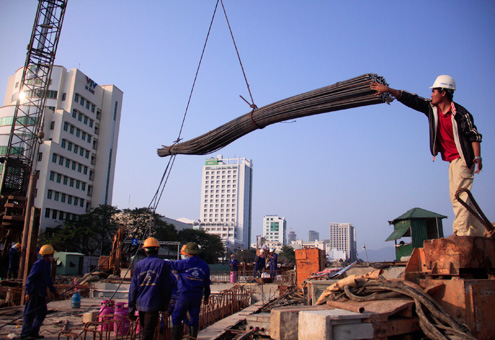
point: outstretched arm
(380, 88)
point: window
(69, 147)
(40, 156)
(59, 178)
(76, 200)
(79, 117)
(54, 214)
(56, 195)
(49, 194)
(52, 125)
(73, 165)
(71, 130)
(90, 123)
(78, 183)
(64, 95)
(87, 105)
(86, 119)
(92, 109)
(79, 167)
(69, 199)
(78, 132)
(67, 163)
(81, 203)
(66, 179)
(54, 158)
(47, 212)
(66, 126)
(76, 98)
(75, 148)
(52, 176)
(61, 215)
(63, 143)
(81, 152)
(74, 113)
(71, 182)
(61, 160)
(62, 198)
(82, 101)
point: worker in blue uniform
(14, 256)
(273, 263)
(39, 279)
(259, 264)
(193, 283)
(150, 289)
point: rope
(252, 105)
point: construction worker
(149, 292)
(193, 283)
(233, 268)
(39, 279)
(14, 256)
(273, 263)
(259, 263)
(454, 135)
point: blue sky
(363, 166)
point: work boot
(177, 332)
(193, 332)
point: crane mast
(19, 161)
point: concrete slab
(284, 321)
(333, 324)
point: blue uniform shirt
(39, 278)
(150, 285)
(194, 277)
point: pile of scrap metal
(355, 292)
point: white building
(343, 238)
(300, 244)
(76, 161)
(275, 229)
(226, 195)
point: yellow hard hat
(190, 249)
(47, 249)
(151, 242)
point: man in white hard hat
(454, 135)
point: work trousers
(148, 322)
(460, 176)
(34, 314)
(184, 304)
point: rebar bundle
(355, 92)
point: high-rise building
(76, 161)
(291, 237)
(313, 236)
(275, 229)
(343, 238)
(226, 195)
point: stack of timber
(355, 92)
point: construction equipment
(18, 181)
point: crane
(18, 170)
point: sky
(364, 166)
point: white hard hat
(271, 250)
(262, 251)
(445, 82)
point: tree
(90, 234)
(287, 254)
(212, 247)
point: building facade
(313, 235)
(275, 229)
(226, 196)
(292, 236)
(343, 238)
(76, 161)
